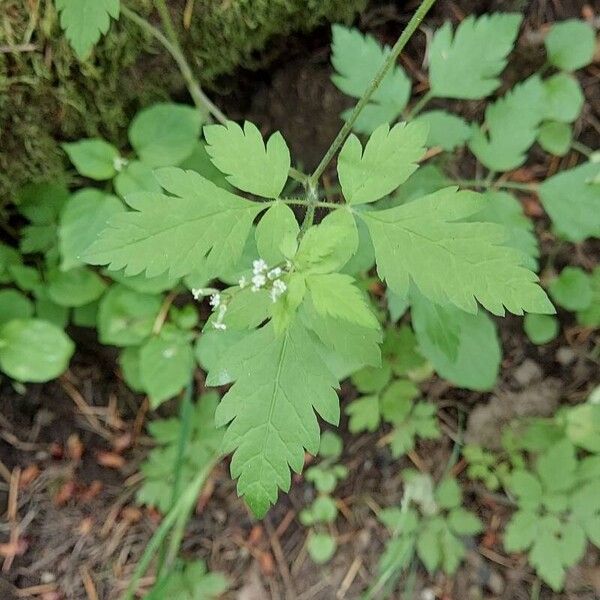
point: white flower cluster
(218, 306)
(264, 277)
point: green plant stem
(298, 175)
(419, 105)
(301, 202)
(183, 504)
(414, 22)
(386, 575)
(509, 185)
(581, 148)
(201, 100)
(185, 419)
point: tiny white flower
(274, 273)
(197, 292)
(278, 289)
(119, 163)
(258, 281)
(215, 300)
(218, 324)
(259, 266)
(243, 282)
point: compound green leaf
(42, 203)
(276, 234)
(356, 346)
(165, 134)
(429, 547)
(572, 289)
(145, 285)
(200, 161)
(364, 414)
(47, 310)
(521, 531)
(389, 158)
(135, 177)
(328, 246)
(462, 347)
(201, 224)
(93, 158)
(590, 317)
(75, 287)
(448, 260)
(129, 361)
(356, 59)
(572, 543)
(463, 522)
(570, 44)
(190, 581)
(250, 166)
(445, 129)
(84, 21)
(545, 557)
(448, 493)
(467, 66)
(540, 329)
(425, 180)
(336, 295)
(511, 126)
(555, 137)
(126, 317)
(563, 99)
(527, 488)
(572, 200)
(33, 350)
(83, 218)
(556, 467)
(280, 381)
(505, 210)
(330, 445)
(14, 305)
(321, 547)
(166, 364)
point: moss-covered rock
(46, 94)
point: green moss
(46, 94)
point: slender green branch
(303, 202)
(312, 199)
(167, 23)
(183, 504)
(298, 175)
(185, 420)
(414, 22)
(419, 105)
(201, 100)
(581, 148)
(509, 185)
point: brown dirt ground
(77, 442)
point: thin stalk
(179, 529)
(385, 576)
(303, 202)
(185, 419)
(312, 199)
(581, 148)
(185, 501)
(298, 175)
(414, 22)
(419, 105)
(203, 103)
(509, 185)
